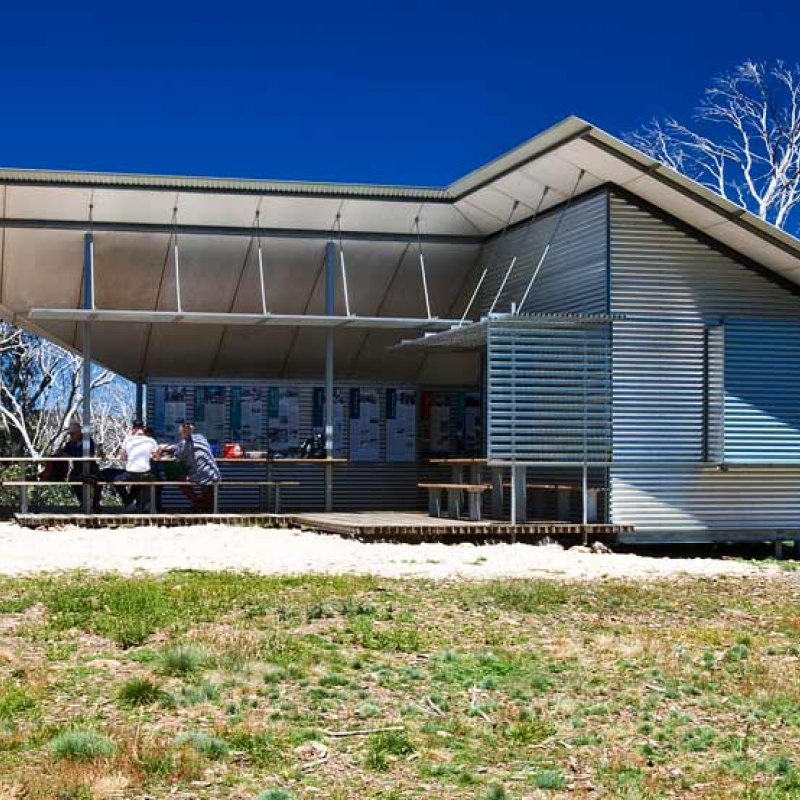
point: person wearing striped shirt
(202, 471)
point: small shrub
(739, 652)
(275, 794)
(529, 597)
(275, 674)
(183, 660)
(698, 740)
(259, 747)
(15, 700)
(208, 746)
(382, 746)
(140, 692)
(334, 679)
(367, 709)
(529, 729)
(495, 792)
(82, 746)
(552, 779)
(157, 762)
(191, 695)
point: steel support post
(330, 288)
(519, 495)
(497, 492)
(140, 400)
(86, 373)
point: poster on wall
(247, 416)
(169, 409)
(401, 425)
(283, 420)
(365, 425)
(473, 423)
(209, 413)
(318, 418)
(439, 411)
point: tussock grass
(140, 692)
(80, 745)
(209, 746)
(235, 685)
(275, 794)
(183, 660)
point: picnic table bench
(474, 492)
(25, 486)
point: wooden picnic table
(518, 485)
(270, 487)
(474, 467)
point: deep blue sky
(407, 93)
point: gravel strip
(273, 552)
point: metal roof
(135, 218)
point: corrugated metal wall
(572, 278)
(701, 503)
(762, 389)
(549, 388)
(659, 381)
(673, 288)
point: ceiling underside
(45, 217)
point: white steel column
(86, 372)
(330, 288)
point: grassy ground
(219, 686)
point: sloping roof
(45, 213)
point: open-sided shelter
(574, 311)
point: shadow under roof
(136, 217)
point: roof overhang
(473, 207)
(135, 219)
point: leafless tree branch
(744, 142)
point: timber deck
(366, 525)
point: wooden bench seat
(474, 492)
(24, 486)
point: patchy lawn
(200, 685)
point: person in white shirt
(136, 452)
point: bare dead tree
(112, 412)
(744, 143)
(41, 392)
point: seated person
(136, 453)
(194, 452)
(73, 448)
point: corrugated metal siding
(658, 391)
(699, 502)
(548, 391)
(573, 277)
(356, 485)
(668, 383)
(762, 388)
(661, 270)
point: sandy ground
(217, 547)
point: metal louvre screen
(548, 391)
(762, 392)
